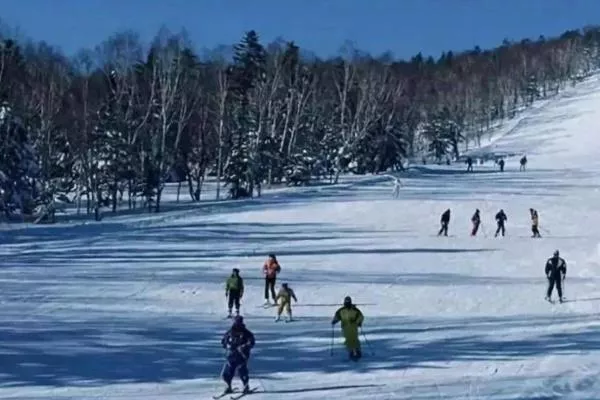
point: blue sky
(403, 27)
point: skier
(271, 268)
(476, 220)
(238, 341)
(501, 164)
(469, 164)
(535, 223)
(234, 290)
(523, 163)
(445, 220)
(351, 318)
(397, 186)
(286, 294)
(501, 218)
(556, 270)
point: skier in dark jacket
(501, 164)
(476, 220)
(234, 290)
(501, 218)
(556, 270)
(523, 163)
(238, 341)
(445, 220)
(469, 164)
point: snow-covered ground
(133, 308)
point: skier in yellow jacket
(351, 318)
(284, 298)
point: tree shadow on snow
(135, 349)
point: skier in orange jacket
(271, 268)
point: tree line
(110, 126)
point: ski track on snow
(133, 307)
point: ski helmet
(556, 253)
(238, 320)
(347, 301)
(285, 285)
(235, 271)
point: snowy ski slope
(133, 308)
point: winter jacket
(476, 219)
(349, 316)
(556, 268)
(286, 295)
(235, 283)
(534, 218)
(445, 217)
(238, 341)
(271, 268)
(501, 217)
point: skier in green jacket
(234, 290)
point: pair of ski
(235, 395)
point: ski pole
(366, 341)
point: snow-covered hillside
(134, 309)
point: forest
(112, 125)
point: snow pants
(444, 229)
(233, 300)
(270, 288)
(501, 229)
(352, 341)
(229, 370)
(284, 305)
(475, 228)
(535, 231)
(555, 281)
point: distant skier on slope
(523, 163)
(501, 164)
(284, 297)
(469, 164)
(476, 220)
(535, 222)
(444, 221)
(238, 341)
(271, 268)
(501, 219)
(556, 271)
(351, 318)
(234, 290)
(397, 186)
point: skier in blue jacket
(238, 341)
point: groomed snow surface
(133, 308)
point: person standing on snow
(238, 341)
(523, 163)
(469, 164)
(284, 297)
(445, 220)
(271, 268)
(234, 290)
(351, 318)
(501, 219)
(556, 271)
(476, 220)
(535, 222)
(397, 186)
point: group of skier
(500, 218)
(500, 162)
(239, 340)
